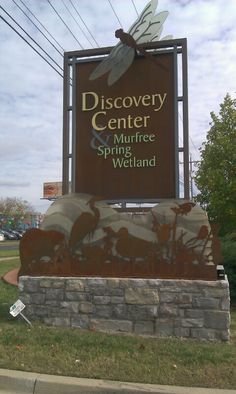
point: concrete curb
(19, 382)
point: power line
(194, 146)
(37, 28)
(115, 13)
(77, 23)
(23, 38)
(31, 38)
(42, 25)
(77, 12)
(81, 46)
(135, 7)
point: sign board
(122, 140)
(52, 189)
(125, 133)
(17, 308)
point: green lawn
(82, 353)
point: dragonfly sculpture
(148, 27)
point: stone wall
(179, 308)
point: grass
(9, 252)
(90, 354)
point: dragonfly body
(128, 40)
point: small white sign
(16, 308)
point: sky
(31, 92)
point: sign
(52, 189)
(17, 308)
(125, 133)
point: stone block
(57, 321)
(182, 332)
(141, 312)
(80, 321)
(86, 307)
(144, 327)
(96, 282)
(194, 313)
(74, 296)
(54, 294)
(169, 310)
(104, 311)
(164, 327)
(113, 283)
(213, 292)
(225, 303)
(117, 300)
(96, 290)
(29, 284)
(141, 295)
(225, 335)
(37, 298)
(70, 306)
(217, 319)
(52, 283)
(74, 285)
(192, 322)
(185, 298)
(111, 325)
(205, 303)
(119, 311)
(156, 283)
(205, 334)
(115, 292)
(169, 297)
(54, 303)
(102, 300)
(40, 311)
(25, 298)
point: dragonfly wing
(126, 57)
(157, 35)
(153, 29)
(141, 24)
(107, 64)
(169, 37)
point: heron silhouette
(85, 224)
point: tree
(216, 173)
(13, 211)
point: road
(9, 245)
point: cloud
(14, 184)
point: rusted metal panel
(120, 254)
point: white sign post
(17, 308)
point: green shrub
(228, 244)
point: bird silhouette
(183, 209)
(85, 224)
(129, 246)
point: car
(2, 238)
(8, 235)
(16, 233)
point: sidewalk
(19, 382)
